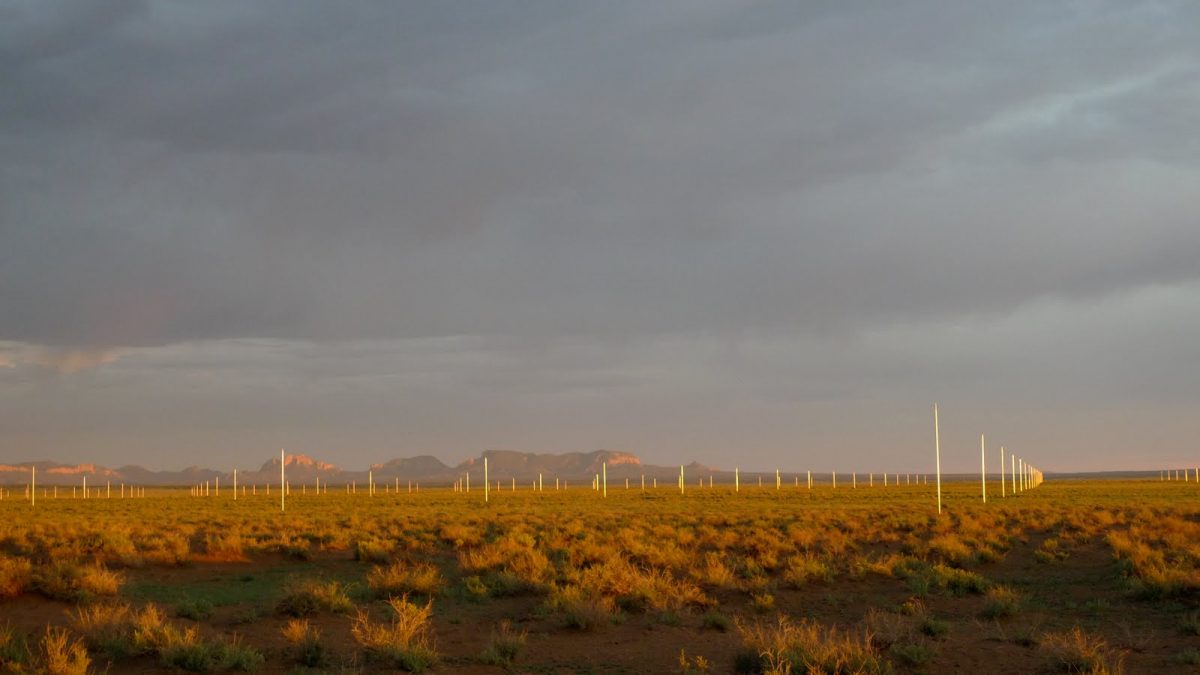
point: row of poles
(51, 492)
(1024, 476)
(600, 481)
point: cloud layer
(673, 229)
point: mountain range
(504, 465)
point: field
(1074, 576)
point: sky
(767, 234)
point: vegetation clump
(1076, 651)
(309, 596)
(805, 646)
(505, 644)
(404, 641)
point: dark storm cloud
(292, 170)
(768, 177)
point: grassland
(1076, 576)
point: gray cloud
(845, 186)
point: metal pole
(983, 467)
(937, 449)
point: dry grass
(404, 642)
(119, 631)
(304, 641)
(806, 646)
(805, 569)
(1001, 601)
(303, 597)
(16, 575)
(62, 654)
(691, 562)
(1076, 651)
(400, 578)
(505, 645)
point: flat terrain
(1073, 576)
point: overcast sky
(760, 233)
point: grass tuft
(305, 644)
(63, 655)
(1076, 651)
(806, 646)
(505, 645)
(401, 578)
(309, 596)
(404, 642)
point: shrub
(400, 578)
(506, 644)
(226, 547)
(233, 655)
(1075, 651)
(805, 646)
(693, 666)
(802, 570)
(934, 628)
(64, 580)
(1050, 552)
(190, 652)
(716, 621)
(762, 602)
(14, 652)
(1001, 601)
(476, 588)
(951, 548)
(372, 551)
(714, 573)
(959, 582)
(15, 576)
(107, 628)
(404, 642)
(305, 642)
(120, 632)
(581, 610)
(309, 596)
(62, 655)
(913, 654)
(196, 610)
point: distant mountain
(503, 465)
(524, 465)
(302, 469)
(422, 465)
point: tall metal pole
(937, 449)
(282, 481)
(983, 467)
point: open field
(1075, 576)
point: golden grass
(403, 642)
